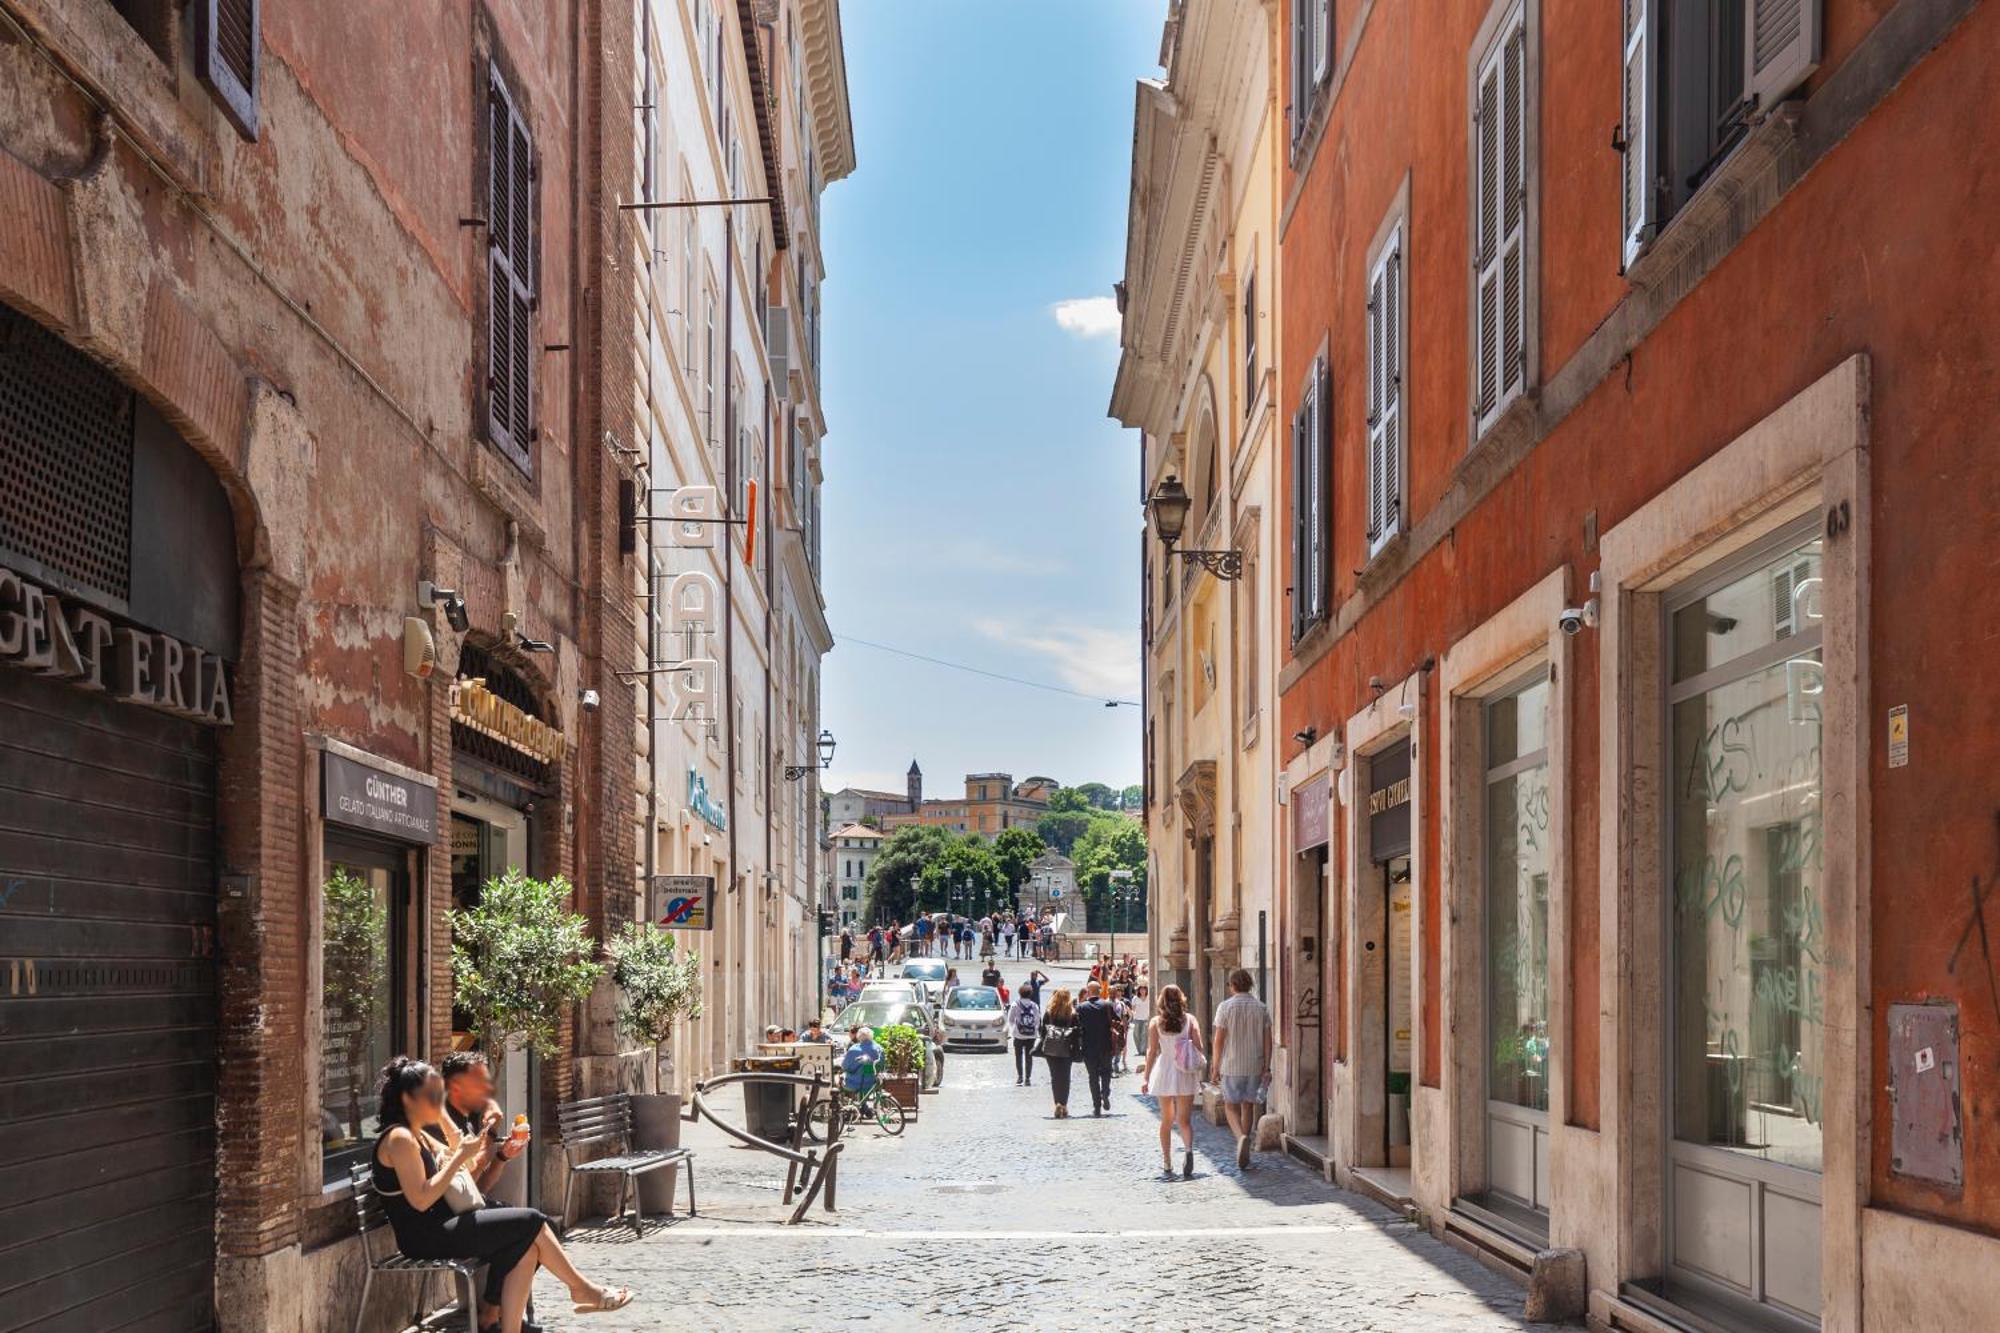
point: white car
(930, 973)
(974, 1016)
(893, 988)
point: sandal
(607, 1300)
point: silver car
(879, 1011)
(928, 973)
(974, 1016)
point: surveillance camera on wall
(448, 600)
(589, 700)
(1575, 619)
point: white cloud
(1086, 658)
(1088, 316)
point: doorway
(487, 839)
(1309, 994)
(1397, 1016)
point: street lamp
(793, 772)
(1170, 503)
(1119, 878)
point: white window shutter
(1375, 412)
(1783, 46)
(1486, 243)
(1392, 390)
(1322, 21)
(1513, 211)
(1636, 129)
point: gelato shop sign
(42, 632)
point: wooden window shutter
(1302, 522)
(1783, 45)
(227, 56)
(1635, 130)
(1385, 392)
(1320, 445)
(1301, 67)
(511, 278)
(1500, 226)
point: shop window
(1517, 897)
(367, 976)
(1748, 968)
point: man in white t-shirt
(1242, 1038)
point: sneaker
(1243, 1152)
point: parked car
(879, 1011)
(975, 1016)
(928, 972)
(893, 988)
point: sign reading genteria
(43, 633)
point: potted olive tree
(519, 959)
(903, 1052)
(661, 987)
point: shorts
(1240, 1088)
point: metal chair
(608, 1120)
(372, 1215)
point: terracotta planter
(906, 1089)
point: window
(1385, 394)
(1312, 517)
(1249, 343)
(1517, 896)
(1695, 74)
(709, 426)
(690, 363)
(510, 169)
(365, 1010)
(1312, 60)
(227, 54)
(1500, 223)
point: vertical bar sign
(681, 902)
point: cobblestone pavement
(990, 1212)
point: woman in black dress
(414, 1180)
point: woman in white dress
(1167, 1035)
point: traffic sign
(681, 902)
(1055, 893)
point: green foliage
(1068, 800)
(517, 958)
(1112, 843)
(1132, 798)
(1098, 796)
(660, 988)
(1016, 849)
(902, 1049)
(891, 887)
(965, 876)
(355, 948)
(1061, 828)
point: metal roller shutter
(107, 1013)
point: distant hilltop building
(992, 803)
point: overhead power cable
(981, 671)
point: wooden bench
(373, 1216)
(608, 1121)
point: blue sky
(979, 505)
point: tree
(356, 972)
(1061, 828)
(517, 958)
(660, 989)
(890, 892)
(1133, 797)
(965, 877)
(1016, 849)
(1066, 800)
(1112, 842)
(1099, 796)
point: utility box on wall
(1927, 1143)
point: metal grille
(65, 460)
(476, 663)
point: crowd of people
(948, 935)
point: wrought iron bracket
(1225, 565)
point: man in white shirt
(1242, 1040)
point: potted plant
(519, 959)
(903, 1052)
(661, 987)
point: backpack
(1027, 1019)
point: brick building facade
(1654, 343)
(324, 284)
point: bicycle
(871, 1103)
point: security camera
(588, 698)
(448, 600)
(1575, 619)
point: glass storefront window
(1517, 897)
(1748, 970)
(362, 901)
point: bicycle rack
(808, 1172)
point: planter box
(656, 1123)
(905, 1089)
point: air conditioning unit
(778, 343)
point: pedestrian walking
(846, 944)
(1024, 1020)
(1242, 1058)
(1007, 938)
(1061, 1041)
(1140, 1006)
(924, 929)
(1097, 1029)
(1121, 1022)
(1174, 1062)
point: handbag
(461, 1194)
(1188, 1057)
(1058, 1044)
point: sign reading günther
(58, 637)
(377, 801)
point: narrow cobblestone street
(990, 1212)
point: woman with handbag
(437, 1212)
(1061, 1044)
(1175, 1059)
